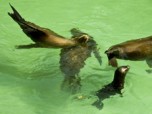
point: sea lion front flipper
(97, 55)
(28, 46)
(149, 62)
(99, 104)
(76, 32)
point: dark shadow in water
(8, 68)
(112, 88)
(105, 93)
(72, 59)
(149, 71)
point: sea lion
(134, 50)
(72, 60)
(43, 37)
(113, 88)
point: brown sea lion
(113, 88)
(72, 60)
(134, 50)
(43, 37)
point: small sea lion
(134, 50)
(72, 60)
(43, 37)
(113, 88)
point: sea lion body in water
(134, 50)
(72, 60)
(113, 88)
(43, 37)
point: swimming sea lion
(72, 60)
(134, 50)
(43, 37)
(113, 88)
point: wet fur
(112, 88)
(43, 37)
(134, 50)
(72, 59)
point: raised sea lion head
(119, 77)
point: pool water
(30, 79)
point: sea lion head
(113, 53)
(119, 77)
(82, 38)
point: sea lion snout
(125, 69)
(113, 51)
(111, 54)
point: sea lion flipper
(97, 55)
(35, 32)
(149, 62)
(30, 29)
(76, 32)
(27, 46)
(99, 104)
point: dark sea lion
(113, 88)
(134, 50)
(72, 60)
(43, 37)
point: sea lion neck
(119, 77)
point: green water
(30, 79)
